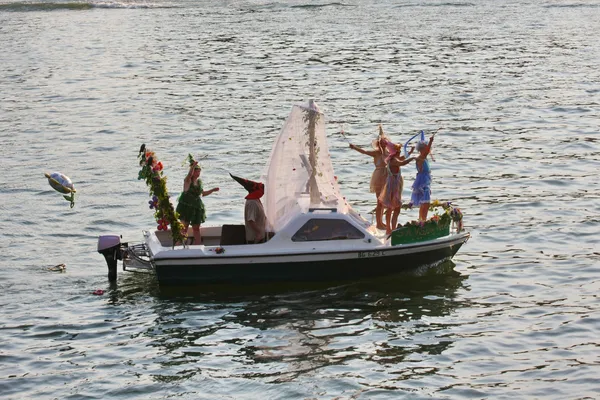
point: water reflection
(131, 288)
(282, 333)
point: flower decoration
(152, 173)
(450, 214)
(163, 225)
(157, 167)
(456, 214)
(153, 203)
(457, 218)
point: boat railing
(137, 258)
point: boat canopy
(299, 175)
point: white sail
(299, 174)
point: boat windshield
(299, 175)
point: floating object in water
(58, 268)
(98, 292)
(62, 184)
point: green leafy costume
(190, 206)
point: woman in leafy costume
(190, 206)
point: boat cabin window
(327, 229)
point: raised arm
(191, 171)
(371, 153)
(187, 181)
(423, 156)
(430, 142)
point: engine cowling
(110, 247)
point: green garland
(152, 173)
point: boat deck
(227, 235)
(211, 236)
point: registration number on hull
(369, 254)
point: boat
(314, 234)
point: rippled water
(515, 87)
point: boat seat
(233, 234)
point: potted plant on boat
(435, 227)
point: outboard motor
(110, 247)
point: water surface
(515, 87)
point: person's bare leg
(379, 212)
(379, 215)
(388, 215)
(197, 238)
(423, 210)
(395, 214)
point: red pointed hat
(255, 189)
